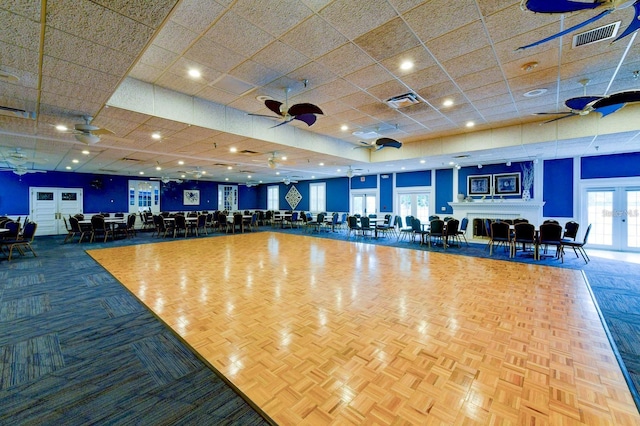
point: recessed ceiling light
(338, 170)
(68, 167)
(203, 172)
(226, 178)
(75, 161)
(447, 102)
(406, 65)
(61, 127)
(181, 162)
(233, 149)
(260, 181)
(155, 135)
(284, 158)
(451, 163)
(141, 173)
(321, 164)
(194, 73)
(402, 168)
(183, 176)
(422, 161)
(248, 176)
(229, 167)
(158, 168)
(313, 177)
(535, 92)
(277, 173)
(344, 127)
(470, 124)
(85, 152)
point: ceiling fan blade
(618, 98)
(581, 102)
(304, 108)
(284, 122)
(567, 115)
(567, 31)
(101, 131)
(558, 6)
(609, 109)
(274, 106)
(635, 23)
(307, 118)
(267, 116)
(388, 142)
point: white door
(228, 198)
(49, 205)
(414, 204)
(614, 216)
(144, 195)
(364, 203)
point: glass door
(364, 203)
(614, 216)
(144, 195)
(228, 198)
(414, 204)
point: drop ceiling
(73, 58)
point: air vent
(403, 101)
(14, 112)
(248, 152)
(596, 35)
(130, 159)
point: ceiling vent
(596, 35)
(130, 159)
(402, 101)
(14, 112)
(248, 152)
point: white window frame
(273, 197)
(318, 197)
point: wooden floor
(318, 331)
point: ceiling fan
(288, 180)
(21, 170)
(304, 112)
(87, 133)
(197, 173)
(17, 158)
(166, 179)
(566, 6)
(380, 143)
(605, 105)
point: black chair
(179, 225)
(436, 232)
(201, 225)
(550, 234)
(578, 247)
(570, 231)
(237, 223)
(406, 230)
(500, 236)
(77, 229)
(525, 234)
(352, 226)
(100, 228)
(365, 226)
(23, 241)
(451, 232)
(384, 227)
(316, 225)
(223, 224)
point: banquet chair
(524, 233)
(223, 224)
(570, 231)
(386, 226)
(436, 232)
(451, 233)
(365, 226)
(237, 223)
(578, 247)
(77, 229)
(462, 232)
(550, 234)
(23, 241)
(99, 227)
(352, 226)
(70, 233)
(179, 225)
(500, 236)
(407, 230)
(201, 225)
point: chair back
(436, 226)
(97, 223)
(500, 230)
(180, 221)
(222, 219)
(237, 219)
(433, 217)
(452, 227)
(66, 224)
(352, 222)
(202, 221)
(586, 235)
(373, 216)
(365, 222)
(487, 226)
(294, 217)
(416, 225)
(75, 225)
(398, 222)
(463, 224)
(551, 221)
(334, 219)
(524, 232)
(520, 220)
(131, 221)
(550, 233)
(571, 230)
(320, 218)
(14, 230)
(29, 231)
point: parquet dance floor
(318, 331)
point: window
(317, 197)
(273, 197)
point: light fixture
(422, 161)
(321, 164)
(284, 158)
(85, 152)
(508, 163)
(229, 167)
(183, 176)
(447, 103)
(529, 66)
(233, 149)
(194, 73)
(155, 135)
(61, 127)
(87, 138)
(141, 173)
(458, 167)
(248, 176)
(158, 168)
(272, 163)
(75, 161)
(68, 167)
(479, 166)
(344, 127)
(470, 124)
(534, 92)
(226, 178)
(406, 65)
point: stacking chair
(436, 231)
(365, 226)
(525, 234)
(550, 234)
(317, 224)
(77, 229)
(180, 225)
(416, 230)
(352, 226)
(578, 247)
(462, 232)
(406, 230)
(70, 233)
(99, 228)
(451, 233)
(223, 224)
(500, 236)
(23, 241)
(570, 231)
(201, 225)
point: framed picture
(191, 197)
(479, 185)
(506, 184)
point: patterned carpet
(77, 348)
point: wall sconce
(508, 163)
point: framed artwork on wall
(506, 184)
(479, 185)
(191, 197)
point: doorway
(228, 198)
(614, 213)
(144, 195)
(364, 203)
(414, 204)
(48, 207)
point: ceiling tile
(387, 40)
(214, 55)
(247, 38)
(197, 15)
(334, 60)
(175, 38)
(274, 17)
(314, 37)
(353, 18)
(280, 57)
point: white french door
(614, 213)
(144, 195)
(228, 197)
(414, 204)
(363, 203)
(47, 207)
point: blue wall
(406, 179)
(337, 194)
(610, 166)
(557, 192)
(386, 193)
(490, 169)
(444, 191)
(364, 182)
